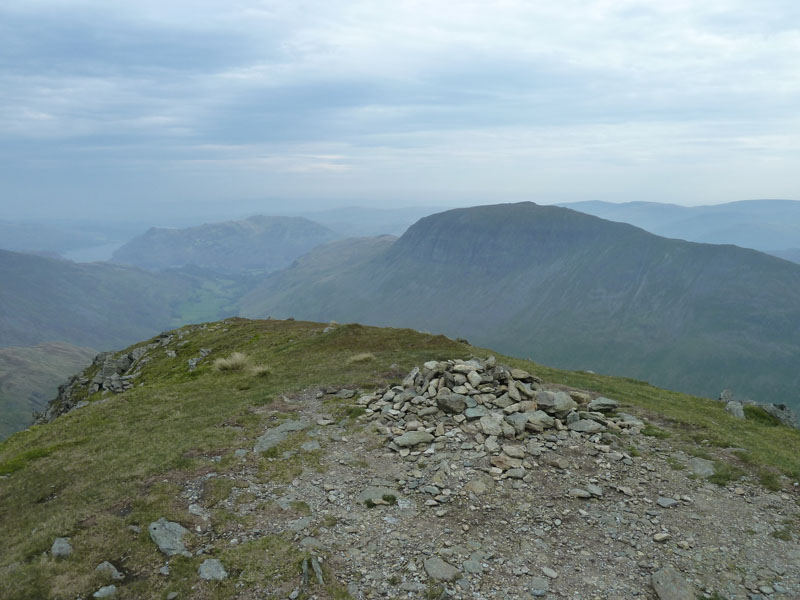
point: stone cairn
(500, 408)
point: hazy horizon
(144, 110)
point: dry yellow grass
(260, 371)
(360, 358)
(235, 362)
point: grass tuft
(361, 357)
(260, 371)
(759, 415)
(235, 362)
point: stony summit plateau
(284, 459)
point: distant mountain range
(569, 290)
(771, 226)
(258, 244)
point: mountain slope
(255, 244)
(339, 495)
(574, 291)
(101, 305)
(29, 379)
(767, 225)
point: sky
(113, 109)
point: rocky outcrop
(782, 413)
(114, 372)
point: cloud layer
(111, 107)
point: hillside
(29, 379)
(571, 290)
(768, 225)
(259, 244)
(101, 305)
(317, 466)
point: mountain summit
(571, 290)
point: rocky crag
(782, 413)
(112, 372)
(475, 480)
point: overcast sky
(118, 108)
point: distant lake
(92, 253)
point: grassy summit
(98, 473)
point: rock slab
(671, 585)
(278, 434)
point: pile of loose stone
(499, 408)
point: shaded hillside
(766, 225)
(29, 379)
(256, 244)
(574, 291)
(100, 305)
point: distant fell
(256, 244)
(768, 225)
(574, 291)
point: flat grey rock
(107, 591)
(168, 536)
(669, 584)
(602, 404)
(413, 438)
(375, 493)
(109, 570)
(701, 466)
(212, 570)
(439, 570)
(586, 426)
(278, 434)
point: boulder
(61, 548)
(735, 409)
(168, 536)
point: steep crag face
(571, 290)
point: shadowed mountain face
(100, 305)
(571, 290)
(260, 244)
(768, 225)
